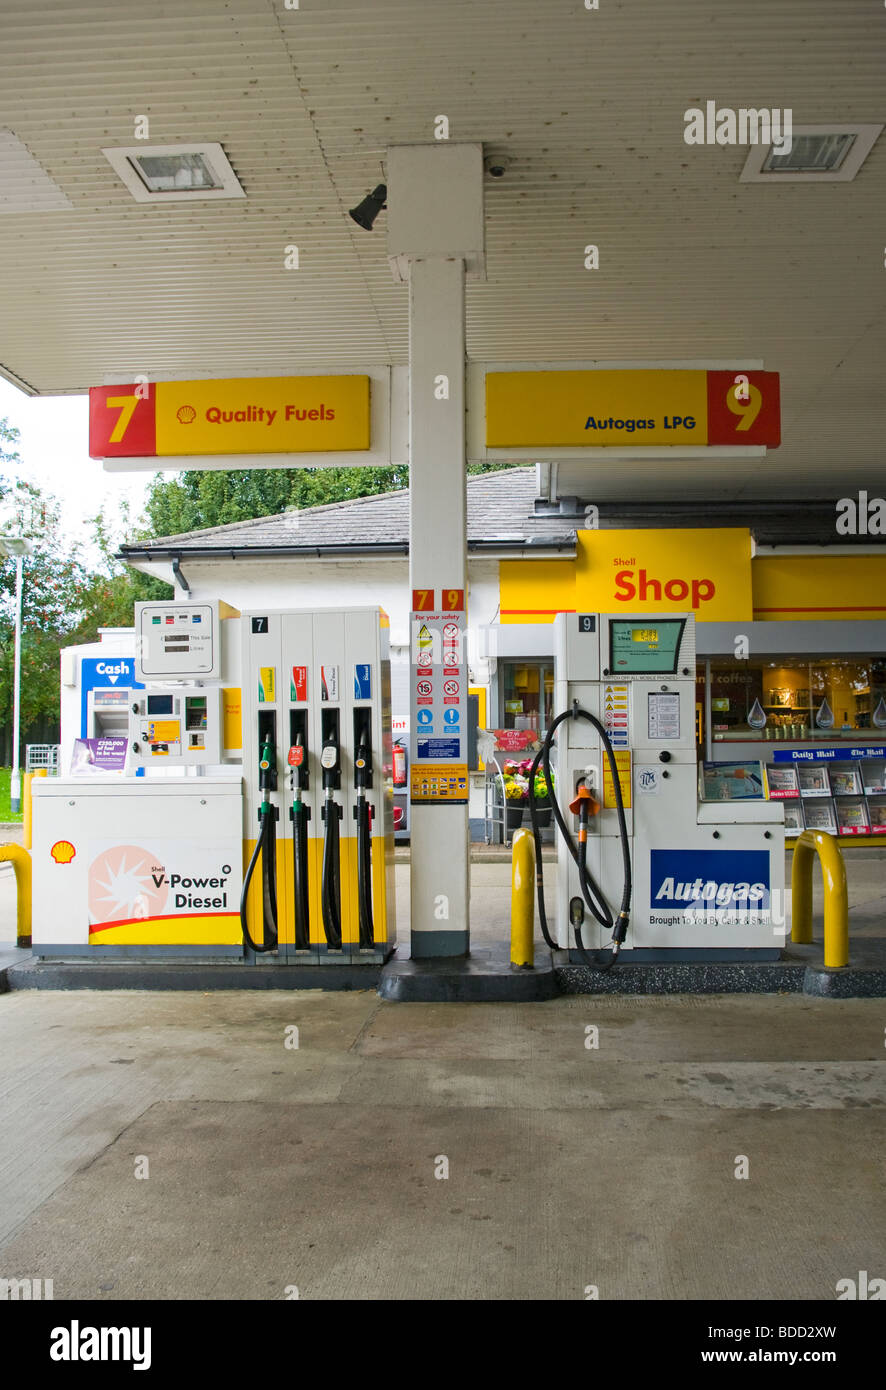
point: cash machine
(148, 863)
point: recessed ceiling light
(175, 173)
(819, 153)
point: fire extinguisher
(399, 765)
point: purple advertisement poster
(98, 755)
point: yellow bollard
(28, 806)
(836, 895)
(523, 900)
(21, 863)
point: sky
(54, 449)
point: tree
(199, 499)
(109, 592)
(52, 590)
(64, 599)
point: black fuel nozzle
(330, 762)
(363, 767)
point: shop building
(791, 629)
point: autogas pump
(646, 870)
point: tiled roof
(500, 509)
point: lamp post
(16, 547)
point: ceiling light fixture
(818, 154)
(175, 173)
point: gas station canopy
(175, 184)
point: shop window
(795, 699)
(527, 695)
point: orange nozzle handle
(585, 794)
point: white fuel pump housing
(708, 879)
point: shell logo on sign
(63, 852)
(123, 885)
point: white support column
(435, 241)
(440, 853)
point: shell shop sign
(705, 572)
(627, 409)
(259, 415)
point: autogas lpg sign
(640, 406)
(718, 886)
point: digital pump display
(159, 704)
(645, 649)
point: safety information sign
(615, 715)
(623, 763)
(439, 702)
(664, 715)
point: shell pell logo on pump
(63, 852)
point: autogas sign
(632, 408)
(705, 885)
(261, 415)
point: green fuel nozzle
(267, 766)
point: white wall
(293, 583)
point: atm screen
(159, 704)
(644, 649)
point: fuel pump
(636, 840)
(331, 814)
(320, 679)
(265, 850)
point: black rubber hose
(364, 873)
(602, 912)
(268, 898)
(300, 877)
(331, 884)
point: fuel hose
(364, 872)
(591, 891)
(266, 850)
(331, 885)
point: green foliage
(199, 499)
(65, 600)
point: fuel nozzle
(584, 806)
(296, 760)
(330, 763)
(363, 767)
(267, 766)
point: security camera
(496, 165)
